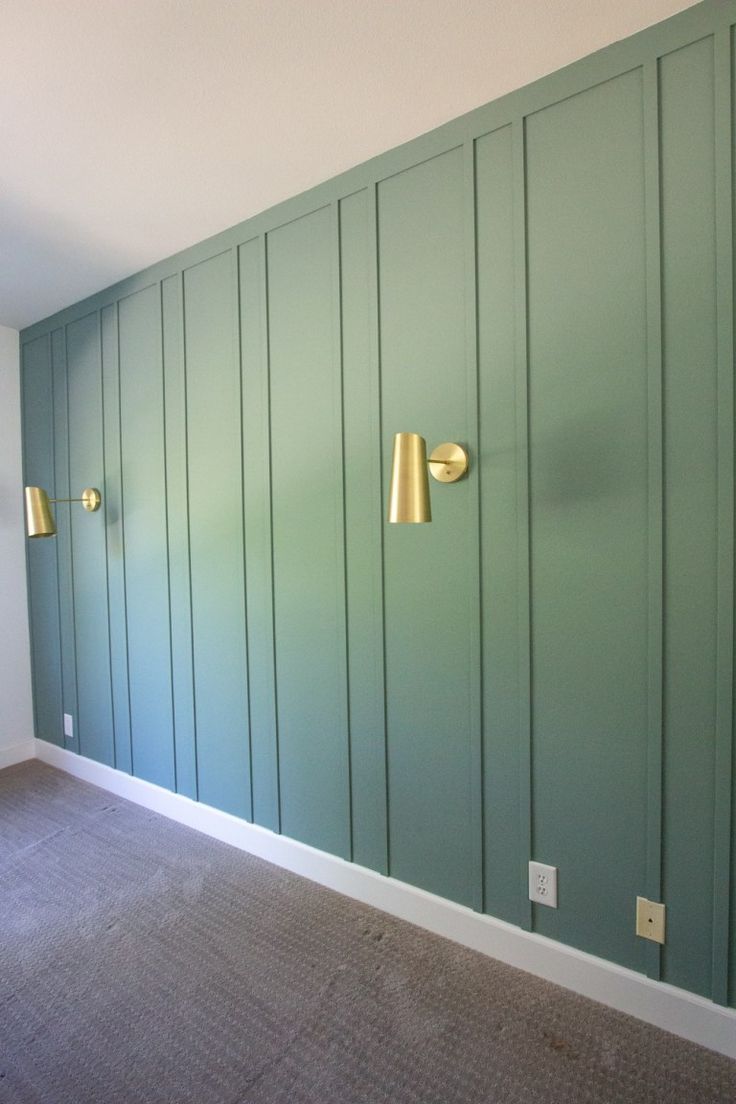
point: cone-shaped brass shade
(39, 522)
(409, 495)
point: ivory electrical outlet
(543, 884)
(68, 726)
(650, 919)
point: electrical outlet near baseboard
(68, 726)
(543, 884)
(650, 919)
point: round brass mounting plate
(448, 462)
(91, 499)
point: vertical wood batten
(653, 251)
(238, 359)
(258, 577)
(115, 526)
(722, 857)
(167, 535)
(375, 253)
(266, 346)
(177, 514)
(105, 561)
(190, 597)
(374, 337)
(63, 537)
(115, 513)
(72, 598)
(474, 627)
(101, 339)
(499, 554)
(72, 640)
(164, 417)
(523, 520)
(362, 550)
(340, 496)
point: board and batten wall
(545, 671)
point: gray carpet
(143, 962)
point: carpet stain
(560, 1045)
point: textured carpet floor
(143, 962)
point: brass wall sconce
(409, 494)
(39, 520)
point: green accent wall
(545, 671)
(588, 505)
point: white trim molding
(18, 753)
(684, 1014)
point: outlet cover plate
(543, 884)
(68, 726)
(650, 919)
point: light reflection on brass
(448, 462)
(39, 520)
(408, 499)
(409, 494)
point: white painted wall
(133, 130)
(16, 713)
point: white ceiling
(130, 129)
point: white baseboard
(17, 753)
(685, 1014)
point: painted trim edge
(685, 1014)
(18, 753)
